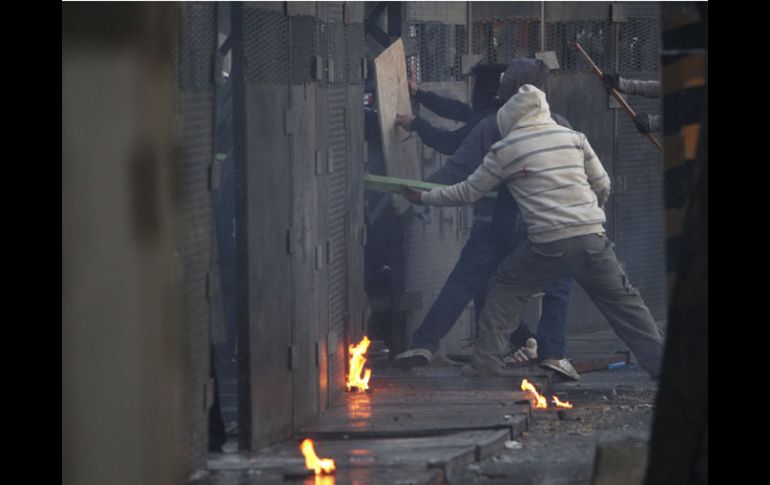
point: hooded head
(519, 73)
(528, 107)
(485, 85)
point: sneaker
(523, 355)
(520, 337)
(413, 358)
(562, 366)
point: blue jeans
(469, 280)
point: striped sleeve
(486, 177)
(597, 176)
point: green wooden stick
(380, 183)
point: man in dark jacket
(483, 103)
(485, 248)
(645, 122)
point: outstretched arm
(484, 179)
(443, 106)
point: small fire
(312, 462)
(560, 404)
(541, 403)
(357, 361)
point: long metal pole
(615, 94)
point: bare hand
(412, 195)
(404, 121)
(413, 88)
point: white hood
(527, 107)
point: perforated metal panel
(195, 126)
(639, 213)
(338, 207)
(304, 48)
(356, 51)
(501, 40)
(639, 45)
(596, 37)
(437, 50)
(335, 36)
(195, 67)
(266, 45)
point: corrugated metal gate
(639, 212)
(194, 123)
(301, 200)
(436, 39)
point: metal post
(241, 231)
(469, 28)
(542, 26)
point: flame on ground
(312, 462)
(560, 404)
(357, 361)
(541, 402)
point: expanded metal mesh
(266, 45)
(501, 40)
(195, 61)
(332, 40)
(356, 51)
(595, 37)
(437, 51)
(304, 48)
(639, 45)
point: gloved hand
(611, 81)
(642, 122)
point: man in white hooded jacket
(560, 186)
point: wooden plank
(620, 359)
(401, 397)
(512, 383)
(413, 421)
(398, 147)
(455, 371)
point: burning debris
(560, 404)
(540, 401)
(312, 462)
(357, 361)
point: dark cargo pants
(591, 261)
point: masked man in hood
(561, 187)
(487, 246)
